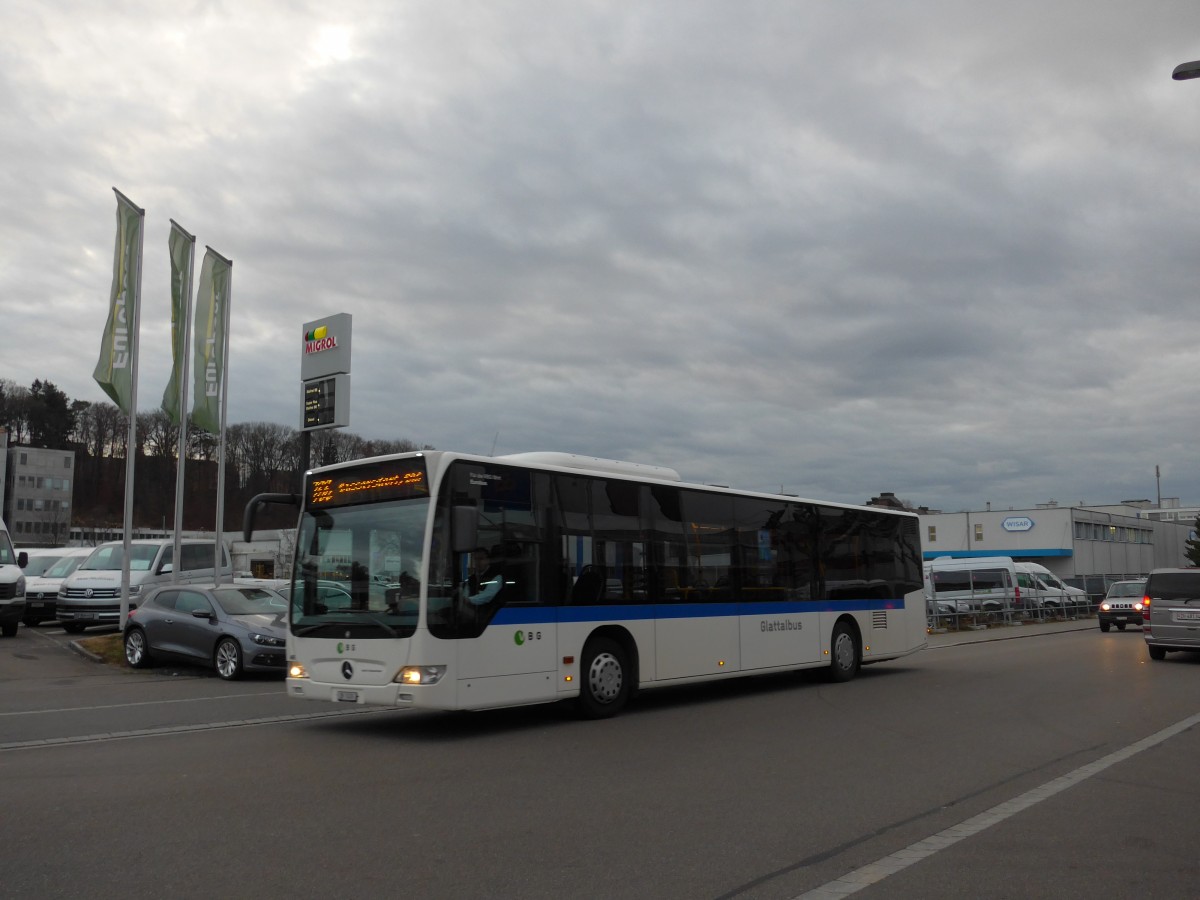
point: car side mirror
(166, 569)
(202, 614)
(22, 559)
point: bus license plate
(348, 696)
(1187, 615)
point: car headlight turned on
(420, 674)
(267, 640)
(297, 670)
(1105, 606)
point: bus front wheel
(605, 676)
(844, 653)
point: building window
(24, 459)
(933, 534)
(979, 532)
(66, 462)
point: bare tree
(158, 434)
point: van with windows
(12, 584)
(91, 595)
(1043, 590)
(41, 591)
(971, 586)
(1171, 611)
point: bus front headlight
(297, 670)
(420, 674)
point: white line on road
(67, 709)
(873, 873)
(180, 729)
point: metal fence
(986, 611)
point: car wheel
(137, 650)
(9, 629)
(606, 677)
(1157, 652)
(31, 621)
(1104, 626)
(228, 659)
(844, 653)
(1120, 626)
(73, 627)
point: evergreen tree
(51, 418)
(1193, 545)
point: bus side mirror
(464, 524)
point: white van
(40, 559)
(983, 584)
(1043, 590)
(41, 591)
(12, 584)
(91, 595)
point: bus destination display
(399, 479)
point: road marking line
(181, 729)
(873, 873)
(66, 709)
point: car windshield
(1127, 589)
(7, 556)
(249, 601)
(359, 567)
(64, 566)
(38, 565)
(109, 558)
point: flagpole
(225, 314)
(131, 446)
(185, 348)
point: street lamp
(1186, 70)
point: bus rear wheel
(605, 679)
(844, 653)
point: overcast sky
(940, 248)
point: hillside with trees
(259, 456)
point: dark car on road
(1122, 605)
(231, 628)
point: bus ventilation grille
(879, 619)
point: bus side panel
(779, 634)
(518, 640)
(697, 639)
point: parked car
(91, 595)
(41, 559)
(231, 628)
(1171, 616)
(1122, 604)
(41, 591)
(12, 584)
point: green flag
(118, 351)
(181, 246)
(212, 320)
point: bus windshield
(359, 569)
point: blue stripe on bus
(530, 615)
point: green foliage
(1192, 551)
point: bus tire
(605, 679)
(844, 652)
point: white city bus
(438, 580)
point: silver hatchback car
(231, 628)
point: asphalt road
(1056, 764)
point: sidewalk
(1007, 632)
